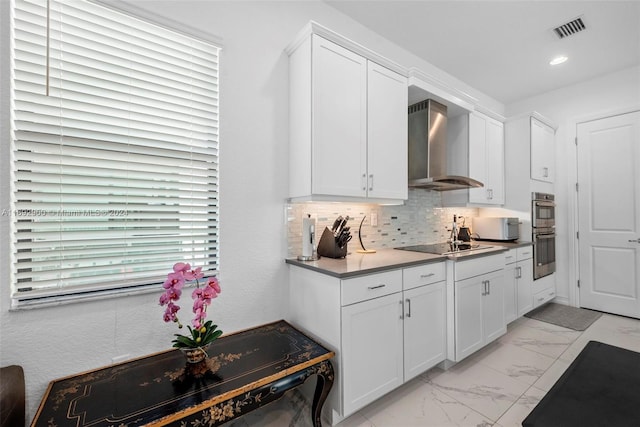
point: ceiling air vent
(570, 28)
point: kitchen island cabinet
(385, 328)
(347, 125)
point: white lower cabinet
(385, 328)
(372, 359)
(389, 340)
(524, 280)
(478, 305)
(518, 285)
(424, 328)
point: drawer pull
(377, 287)
(424, 276)
(526, 253)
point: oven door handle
(544, 236)
(545, 204)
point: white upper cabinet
(339, 120)
(476, 150)
(348, 125)
(542, 151)
(486, 159)
(387, 127)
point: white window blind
(115, 151)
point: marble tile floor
(497, 386)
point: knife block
(328, 246)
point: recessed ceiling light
(558, 60)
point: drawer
(371, 286)
(478, 266)
(413, 277)
(525, 252)
(511, 256)
(543, 296)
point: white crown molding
(314, 28)
(544, 119)
(487, 112)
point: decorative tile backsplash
(422, 219)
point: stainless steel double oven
(543, 221)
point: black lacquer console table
(245, 370)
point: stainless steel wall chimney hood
(428, 149)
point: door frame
(572, 202)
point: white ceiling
(503, 48)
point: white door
(542, 151)
(469, 332)
(609, 214)
(495, 161)
(339, 120)
(372, 357)
(493, 307)
(424, 328)
(387, 120)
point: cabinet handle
(488, 287)
(424, 276)
(402, 312)
(635, 241)
(545, 172)
(364, 182)
(382, 285)
(526, 253)
(518, 272)
(409, 311)
(484, 287)
(541, 299)
(371, 182)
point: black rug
(600, 388)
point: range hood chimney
(428, 149)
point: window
(115, 151)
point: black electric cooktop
(445, 248)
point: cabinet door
(424, 328)
(542, 151)
(371, 350)
(486, 159)
(468, 316)
(339, 114)
(493, 307)
(510, 289)
(525, 286)
(478, 158)
(387, 134)
(495, 162)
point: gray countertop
(356, 264)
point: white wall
(58, 341)
(601, 96)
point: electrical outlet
(374, 219)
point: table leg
(323, 386)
